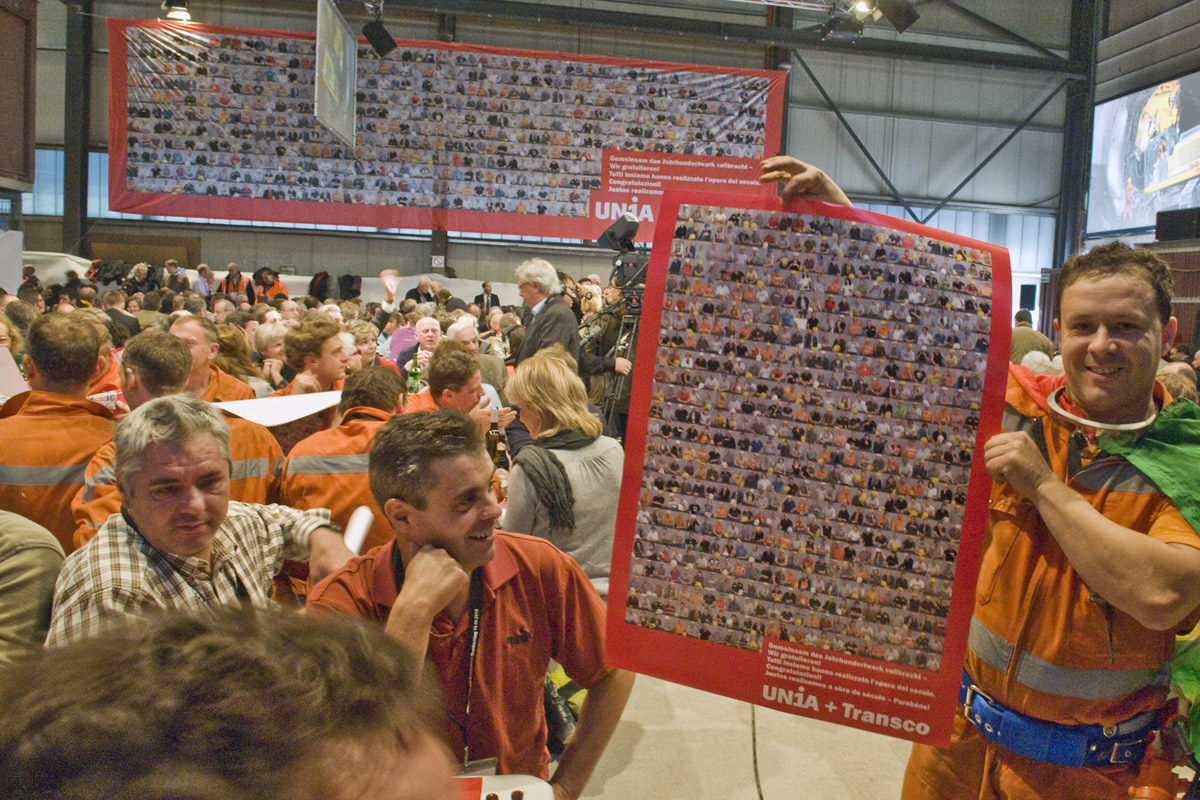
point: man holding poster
(1092, 562)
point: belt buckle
(1129, 747)
(972, 691)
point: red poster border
(736, 673)
(304, 212)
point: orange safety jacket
(223, 387)
(329, 470)
(265, 292)
(48, 440)
(1041, 642)
(289, 434)
(255, 461)
(421, 401)
(242, 285)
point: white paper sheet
(270, 411)
(11, 382)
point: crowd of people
(128, 492)
(798, 518)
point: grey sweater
(595, 475)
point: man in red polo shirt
(488, 609)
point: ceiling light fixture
(177, 10)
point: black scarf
(548, 476)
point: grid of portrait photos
(231, 115)
(813, 413)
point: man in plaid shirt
(179, 542)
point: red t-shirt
(537, 605)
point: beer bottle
(494, 438)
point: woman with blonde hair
(234, 358)
(563, 486)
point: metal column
(1087, 28)
(77, 125)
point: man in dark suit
(422, 292)
(548, 319)
(114, 305)
(486, 301)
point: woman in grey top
(564, 485)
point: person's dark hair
(29, 294)
(1023, 315)
(450, 366)
(167, 304)
(118, 334)
(404, 449)
(22, 314)
(162, 361)
(245, 702)
(515, 338)
(64, 348)
(239, 318)
(259, 311)
(310, 302)
(372, 387)
(1118, 258)
(194, 305)
(152, 300)
(277, 302)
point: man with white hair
(423, 292)
(548, 319)
(490, 367)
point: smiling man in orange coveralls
(1091, 565)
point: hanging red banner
(218, 122)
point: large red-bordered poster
(804, 501)
(218, 122)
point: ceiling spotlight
(177, 10)
(380, 40)
(900, 13)
(841, 27)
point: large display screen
(1145, 156)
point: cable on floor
(754, 750)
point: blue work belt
(1052, 743)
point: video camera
(629, 265)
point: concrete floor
(678, 743)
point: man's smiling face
(1111, 338)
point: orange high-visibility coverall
(1041, 643)
(329, 470)
(48, 440)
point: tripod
(618, 388)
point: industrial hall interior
(555, 399)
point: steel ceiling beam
(866, 151)
(996, 27)
(756, 35)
